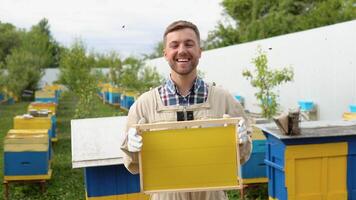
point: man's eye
(189, 44)
(173, 46)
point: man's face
(182, 51)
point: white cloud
(127, 26)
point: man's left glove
(242, 131)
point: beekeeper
(184, 96)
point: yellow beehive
(105, 87)
(45, 94)
(27, 131)
(316, 171)
(349, 116)
(113, 89)
(36, 142)
(131, 94)
(51, 106)
(53, 87)
(21, 122)
(189, 159)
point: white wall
(323, 59)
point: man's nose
(182, 48)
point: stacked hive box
(349, 116)
(43, 106)
(26, 155)
(46, 96)
(7, 97)
(254, 170)
(127, 100)
(105, 175)
(21, 122)
(2, 97)
(57, 89)
(112, 182)
(52, 109)
(319, 164)
(104, 92)
(114, 95)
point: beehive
(21, 122)
(106, 178)
(26, 154)
(112, 181)
(43, 106)
(319, 164)
(33, 132)
(46, 96)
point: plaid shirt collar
(170, 95)
(172, 88)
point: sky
(130, 27)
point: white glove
(242, 131)
(134, 140)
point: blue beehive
(241, 99)
(306, 105)
(353, 108)
(107, 96)
(110, 180)
(129, 101)
(26, 154)
(255, 167)
(114, 98)
(320, 163)
(53, 129)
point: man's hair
(178, 25)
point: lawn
(67, 183)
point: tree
(26, 62)
(23, 71)
(157, 52)
(265, 80)
(77, 74)
(132, 75)
(2, 78)
(47, 46)
(9, 39)
(256, 19)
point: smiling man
(184, 96)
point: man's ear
(201, 50)
(164, 53)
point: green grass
(67, 183)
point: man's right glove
(134, 140)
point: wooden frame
(189, 156)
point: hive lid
(315, 129)
(97, 141)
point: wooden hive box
(33, 132)
(96, 148)
(26, 154)
(21, 122)
(51, 106)
(318, 164)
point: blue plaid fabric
(171, 97)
